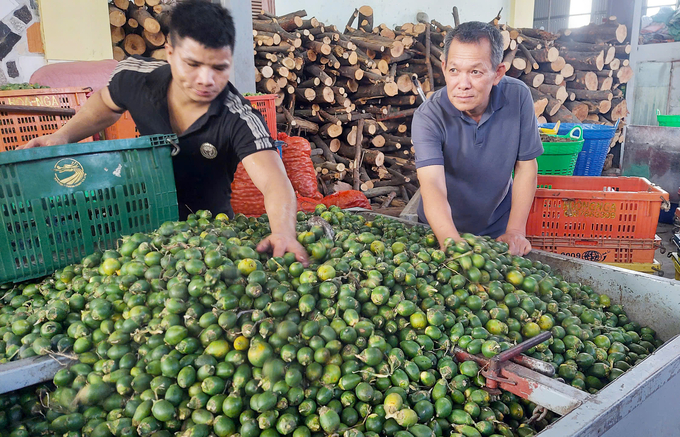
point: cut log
(351, 71)
(117, 34)
(153, 40)
(117, 17)
(324, 94)
(318, 47)
(330, 130)
(567, 71)
(376, 91)
(317, 70)
(400, 100)
(580, 110)
(593, 33)
(623, 51)
(380, 191)
(307, 94)
(587, 78)
(131, 26)
(508, 58)
(519, 63)
(366, 18)
(145, 19)
(605, 83)
(552, 78)
(540, 101)
(584, 60)
(556, 66)
(134, 44)
(533, 79)
(122, 4)
(564, 115)
(624, 74)
(404, 83)
(592, 95)
(558, 92)
(292, 21)
(545, 54)
(552, 107)
(119, 53)
(618, 110)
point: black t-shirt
(210, 149)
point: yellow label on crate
(69, 172)
(596, 209)
(34, 101)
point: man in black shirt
(190, 95)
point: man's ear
(168, 50)
(500, 72)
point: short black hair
(207, 23)
(474, 32)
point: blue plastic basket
(597, 137)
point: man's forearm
(438, 214)
(92, 118)
(523, 190)
(281, 205)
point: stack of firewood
(351, 92)
(576, 75)
(139, 27)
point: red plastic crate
(266, 104)
(125, 127)
(596, 207)
(620, 250)
(18, 129)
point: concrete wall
(243, 73)
(398, 12)
(16, 63)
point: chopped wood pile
(139, 27)
(352, 90)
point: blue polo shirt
(478, 158)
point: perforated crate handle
(576, 133)
(665, 204)
(175, 146)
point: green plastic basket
(59, 204)
(560, 158)
(667, 120)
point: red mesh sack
(245, 197)
(306, 204)
(347, 199)
(298, 162)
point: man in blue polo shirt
(468, 139)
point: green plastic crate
(59, 204)
(560, 158)
(667, 120)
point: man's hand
(55, 139)
(279, 244)
(517, 242)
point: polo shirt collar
(496, 102)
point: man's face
(470, 76)
(201, 73)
